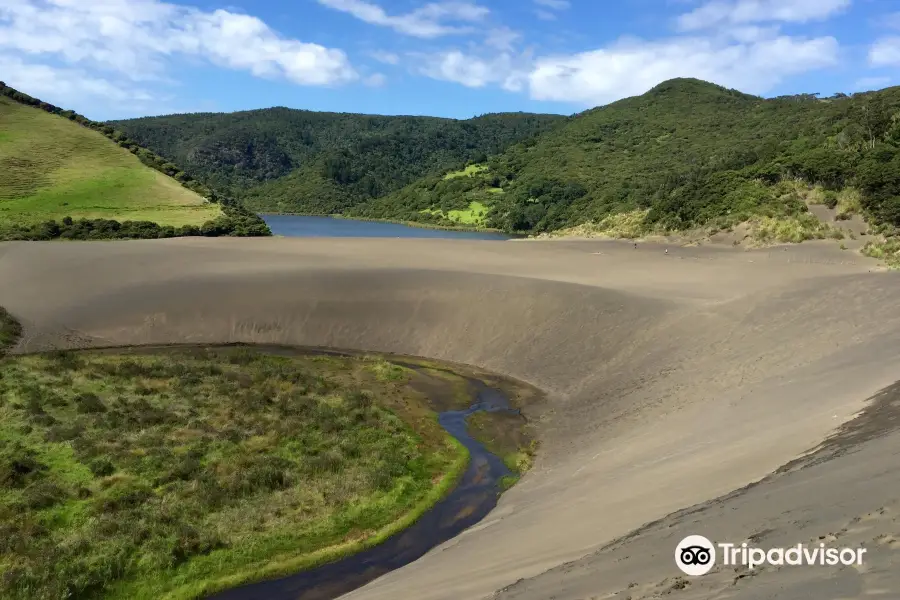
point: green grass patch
(10, 331)
(849, 203)
(475, 215)
(174, 474)
(469, 171)
(887, 250)
(386, 371)
(507, 436)
(53, 168)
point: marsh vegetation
(180, 472)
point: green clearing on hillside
(175, 473)
(475, 215)
(470, 170)
(54, 168)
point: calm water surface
(296, 226)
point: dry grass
(626, 225)
(887, 250)
(768, 230)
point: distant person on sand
(667, 250)
(635, 245)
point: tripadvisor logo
(696, 555)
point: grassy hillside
(285, 160)
(54, 168)
(67, 176)
(687, 154)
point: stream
(470, 501)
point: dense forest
(687, 154)
(298, 161)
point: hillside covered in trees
(298, 161)
(687, 154)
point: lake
(297, 226)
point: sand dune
(671, 379)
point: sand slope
(671, 379)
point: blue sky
(454, 58)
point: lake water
(297, 226)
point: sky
(110, 59)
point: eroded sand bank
(671, 379)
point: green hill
(53, 168)
(687, 154)
(286, 160)
(67, 176)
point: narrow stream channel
(472, 499)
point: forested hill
(287, 160)
(686, 154)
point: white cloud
(554, 4)
(388, 58)
(429, 21)
(474, 71)
(43, 80)
(630, 68)
(546, 7)
(502, 38)
(885, 52)
(736, 12)
(375, 80)
(134, 38)
(866, 84)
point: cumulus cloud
(43, 80)
(135, 37)
(885, 52)
(737, 12)
(429, 21)
(475, 71)
(632, 67)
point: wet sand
(672, 381)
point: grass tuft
(887, 250)
(768, 230)
(10, 331)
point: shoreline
(395, 222)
